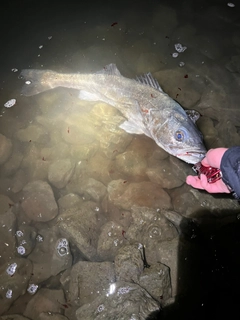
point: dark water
(81, 36)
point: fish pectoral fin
(130, 127)
(110, 69)
(193, 115)
(85, 95)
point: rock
(157, 282)
(110, 239)
(166, 175)
(35, 133)
(38, 201)
(190, 202)
(14, 278)
(150, 225)
(5, 148)
(124, 300)
(60, 172)
(81, 227)
(95, 189)
(26, 239)
(130, 163)
(8, 227)
(143, 194)
(51, 316)
(113, 140)
(45, 300)
(90, 279)
(14, 317)
(50, 256)
(129, 263)
(12, 165)
(234, 64)
(79, 129)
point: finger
(194, 181)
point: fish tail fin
(37, 81)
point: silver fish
(143, 103)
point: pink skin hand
(213, 158)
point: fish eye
(179, 135)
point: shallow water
(81, 190)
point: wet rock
(150, 225)
(166, 175)
(35, 133)
(12, 165)
(100, 168)
(60, 172)
(148, 61)
(234, 64)
(68, 201)
(14, 317)
(91, 279)
(50, 256)
(113, 140)
(156, 281)
(95, 189)
(165, 18)
(228, 133)
(38, 201)
(79, 129)
(81, 227)
(8, 228)
(143, 194)
(131, 163)
(167, 253)
(186, 91)
(5, 148)
(83, 152)
(190, 202)
(45, 300)
(51, 316)
(14, 278)
(129, 263)
(110, 239)
(124, 301)
(19, 180)
(26, 239)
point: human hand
(212, 159)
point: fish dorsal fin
(148, 80)
(193, 115)
(110, 69)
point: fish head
(180, 137)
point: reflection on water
(94, 220)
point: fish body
(147, 109)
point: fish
(146, 107)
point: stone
(14, 278)
(124, 300)
(142, 194)
(5, 148)
(45, 300)
(38, 201)
(60, 172)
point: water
(77, 193)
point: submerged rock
(142, 194)
(5, 148)
(45, 300)
(60, 172)
(38, 201)
(14, 279)
(125, 300)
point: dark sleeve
(230, 167)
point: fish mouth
(192, 156)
